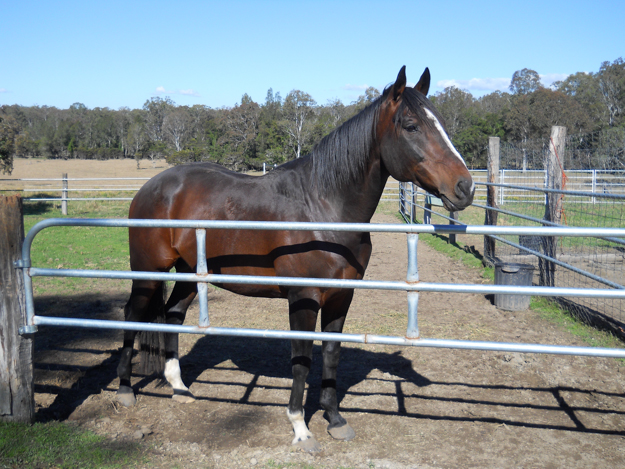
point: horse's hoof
(126, 396)
(183, 397)
(310, 445)
(344, 432)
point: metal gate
(411, 285)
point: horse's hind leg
(303, 312)
(333, 316)
(136, 310)
(175, 312)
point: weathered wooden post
(554, 168)
(17, 402)
(491, 195)
(64, 195)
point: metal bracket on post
(202, 269)
(27, 328)
(412, 276)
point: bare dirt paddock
(410, 407)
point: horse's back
(208, 191)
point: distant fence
(62, 185)
(107, 186)
(583, 180)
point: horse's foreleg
(134, 311)
(332, 320)
(302, 317)
(176, 309)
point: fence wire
(602, 150)
(582, 262)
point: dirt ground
(410, 407)
(45, 168)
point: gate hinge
(21, 264)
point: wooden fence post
(17, 402)
(491, 195)
(554, 168)
(64, 195)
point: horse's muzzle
(463, 192)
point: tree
(472, 141)
(549, 108)
(8, 132)
(612, 86)
(155, 111)
(176, 126)
(525, 81)
(370, 95)
(456, 107)
(241, 129)
(494, 103)
(298, 109)
(584, 89)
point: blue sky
(121, 53)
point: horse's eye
(411, 128)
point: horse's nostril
(463, 188)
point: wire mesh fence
(567, 262)
(584, 262)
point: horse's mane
(341, 157)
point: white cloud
(549, 79)
(494, 84)
(477, 84)
(3, 90)
(349, 87)
(189, 92)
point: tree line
(249, 134)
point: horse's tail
(152, 344)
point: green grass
(457, 250)
(57, 445)
(70, 247)
(552, 312)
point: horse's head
(414, 145)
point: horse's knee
(331, 354)
(300, 372)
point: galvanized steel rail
(412, 285)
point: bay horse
(400, 134)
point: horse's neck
(365, 201)
(356, 202)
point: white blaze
(439, 127)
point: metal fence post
(412, 275)
(452, 236)
(202, 287)
(64, 195)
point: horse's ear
(400, 84)
(424, 83)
